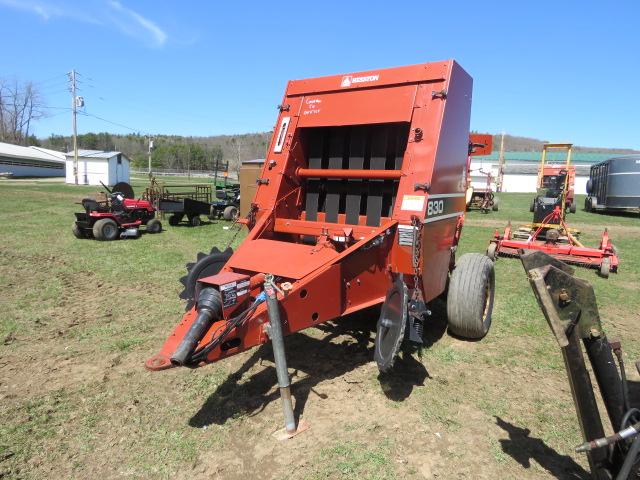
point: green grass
(80, 317)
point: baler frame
(362, 192)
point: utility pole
(500, 164)
(74, 107)
(150, 148)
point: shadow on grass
(320, 359)
(523, 448)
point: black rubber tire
(175, 219)
(205, 266)
(532, 206)
(195, 221)
(589, 186)
(230, 213)
(496, 204)
(105, 229)
(470, 296)
(77, 231)
(572, 207)
(587, 204)
(154, 226)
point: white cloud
(132, 23)
(128, 21)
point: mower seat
(92, 205)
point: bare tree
(20, 105)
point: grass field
(79, 317)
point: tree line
(172, 151)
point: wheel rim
(109, 230)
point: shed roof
(95, 154)
(552, 156)
(532, 169)
(33, 153)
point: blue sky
(560, 71)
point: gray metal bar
(277, 340)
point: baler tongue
(360, 202)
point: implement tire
(154, 226)
(470, 296)
(105, 229)
(77, 231)
(175, 219)
(230, 213)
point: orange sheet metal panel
(424, 72)
(284, 259)
(358, 107)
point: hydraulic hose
(629, 460)
(209, 310)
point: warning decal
(414, 203)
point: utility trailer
(360, 203)
(188, 200)
(614, 185)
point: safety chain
(251, 218)
(416, 247)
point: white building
(20, 161)
(521, 169)
(95, 166)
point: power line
(87, 114)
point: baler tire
(470, 296)
(204, 266)
(230, 213)
(496, 204)
(77, 231)
(105, 229)
(154, 226)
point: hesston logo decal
(348, 80)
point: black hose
(209, 310)
(627, 417)
(623, 378)
(629, 460)
(216, 339)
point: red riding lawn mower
(119, 215)
(360, 203)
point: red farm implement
(549, 231)
(559, 243)
(360, 203)
(480, 194)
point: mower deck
(565, 248)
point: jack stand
(274, 329)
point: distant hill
(513, 143)
(173, 151)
